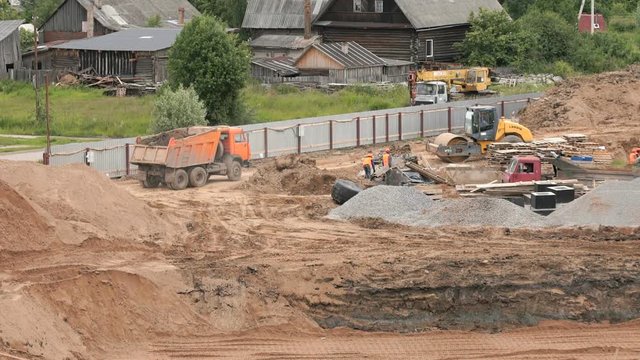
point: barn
(136, 53)
(349, 63)
(412, 30)
(10, 55)
(69, 20)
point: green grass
(82, 112)
(286, 102)
(505, 90)
(11, 144)
(74, 112)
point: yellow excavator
(481, 128)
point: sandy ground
(99, 269)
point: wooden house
(349, 63)
(135, 53)
(70, 20)
(10, 55)
(413, 30)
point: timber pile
(513, 189)
(569, 145)
(113, 85)
(430, 174)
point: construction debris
(113, 85)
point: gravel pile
(614, 203)
(477, 212)
(389, 203)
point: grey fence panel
(110, 156)
(257, 145)
(344, 134)
(366, 130)
(393, 127)
(381, 130)
(316, 137)
(514, 107)
(436, 122)
(283, 141)
(411, 125)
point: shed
(273, 70)
(69, 20)
(411, 30)
(135, 53)
(347, 63)
(273, 45)
(10, 55)
(584, 25)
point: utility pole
(580, 11)
(48, 119)
(35, 67)
(592, 17)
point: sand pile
(83, 202)
(22, 227)
(614, 203)
(588, 102)
(294, 175)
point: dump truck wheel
(234, 171)
(343, 190)
(151, 182)
(180, 181)
(198, 177)
(512, 139)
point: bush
(176, 109)
(622, 23)
(562, 68)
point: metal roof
(7, 27)
(349, 54)
(436, 13)
(394, 62)
(142, 39)
(279, 14)
(283, 41)
(282, 65)
(124, 14)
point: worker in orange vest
(633, 156)
(386, 158)
(367, 165)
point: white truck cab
(431, 92)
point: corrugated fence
(312, 134)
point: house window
(357, 5)
(379, 6)
(429, 48)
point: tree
(176, 109)
(517, 8)
(214, 63)
(492, 40)
(229, 11)
(8, 12)
(550, 38)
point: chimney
(90, 18)
(307, 19)
(345, 48)
(180, 16)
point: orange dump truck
(187, 157)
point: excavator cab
(481, 122)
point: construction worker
(386, 158)
(634, 156)
(367, 165)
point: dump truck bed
(190, 151)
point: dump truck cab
(234, 141)
(430, 92)
(523, 168)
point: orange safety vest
(632, 158)
(385, 159)
(367, 160)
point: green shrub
(283, 89)
(176, 109)
(622, 23)
(562, 68)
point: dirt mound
(294, 175)
(83, 202)
(602, 100)
(21, 226)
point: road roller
(481, 128)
